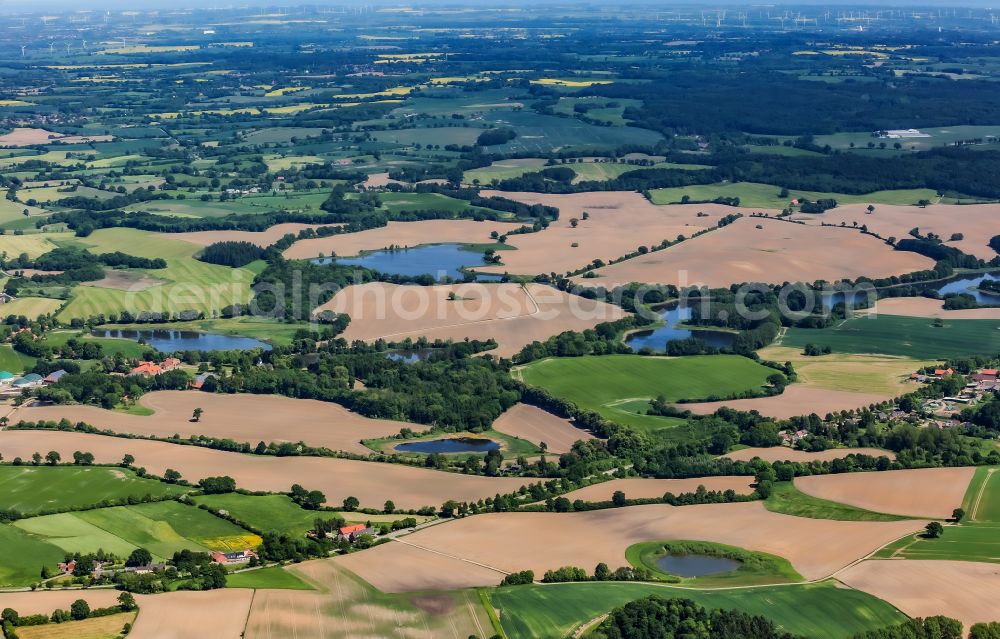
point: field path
(450, 556)
(982, 491)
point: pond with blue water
(453, 445)
(657, 338)
(436, 260)
(969, 286)
(170, 340)
(696, 565)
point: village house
(149, 369)
(351, 533)
(227, 558)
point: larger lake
(657, 338)
(436, 260)
(170, 340)
(968, 286)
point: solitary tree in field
(934, 530)
(52, 457)
(196, 415)
(128, 460)
(871, 209)
(958, 514)
(388, 507)
(618, 498)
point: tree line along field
(620, 386)
(766, 196)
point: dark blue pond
(169, 340)
(696, 565)
(968, 285)
(457, 445)
(658, 338)
(437, 260)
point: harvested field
(656, 488)
(125, 281)
(345, 606)
(924, 492)
(796, 400)
(376, 180)
(619, 222)
(783, 453)
(964, 590)
(220, 614)
(536, 425)
(23, 136)
(976, 222)
(261, 238)
(107, 627)
(242, 418)
(926, 307)
(586, 538)
(406, 234)
(884, 375)
(775, 253)
(45, 601)
(31, 307)
(511, 314)
(426, 570)
(370, 482)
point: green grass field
(33, 489)
(619, 386)
(13, 361)
(787, 499)
(765, 196)
(162, 528)
(915, 337)
(277, 513)
(24, 555)
(188, 283)
(274, 577)
(756, 568)
(975, 538)
(30, 307)
(110, 346)
(834, 612)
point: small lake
(170, 340)
(437, 260)
(455, 445)
(658, 338)
(968, 285)
(696, 565)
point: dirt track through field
(587, 538)
(372, 483)
(242, 418)
(924, 492)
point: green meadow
(24, 556)
(274, 577)
(33, 489)
(620, 386)
(765, 196)
(834, 612)
(915, 337)
(786, 499)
